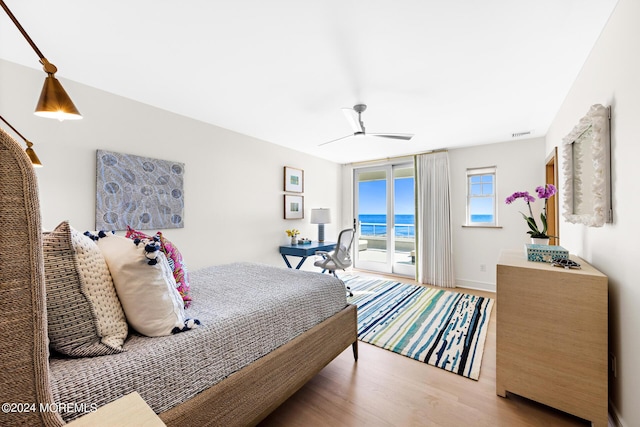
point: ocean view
(375, 225)
(481, 218)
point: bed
(264, 332)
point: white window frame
(471, 172)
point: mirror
(582, 171)
(586, 171)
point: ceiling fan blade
(402, 136)
(334, 140)
(353, 119)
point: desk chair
(340, 257)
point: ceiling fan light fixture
(360, 108)
(354, 117)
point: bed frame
(244, 398)
(249, 395)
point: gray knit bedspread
(246, 310)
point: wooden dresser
(552, 344)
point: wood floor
(387, 389)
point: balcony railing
(371, 229)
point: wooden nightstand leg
(501, 390)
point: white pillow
(99, 288)
(147, 292)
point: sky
(372, 197)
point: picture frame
(293, 206)
(141, 192)
(293, 180)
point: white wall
(611, 76)
(233, 183)
(519, 167)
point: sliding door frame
(388, 264)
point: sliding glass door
(371, 208)
(404, 206)
(384, 207)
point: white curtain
(434, 251)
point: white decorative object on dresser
(552, 327)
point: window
(481, 197)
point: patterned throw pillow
(85, 317)
(145, 285)
(175, 261)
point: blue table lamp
(320, 216)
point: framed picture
(141, 192)
(293, 207)
(293, 180)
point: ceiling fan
(354, 117)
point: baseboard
(479, 286)
(615, 420)
(460, 283)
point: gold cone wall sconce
(54, 102)
(35, 161)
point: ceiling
(454, 73)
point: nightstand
(129, 410)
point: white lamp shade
(321, 216)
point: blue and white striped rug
(442, 328)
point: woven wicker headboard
(24, 363)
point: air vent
(519, 134)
